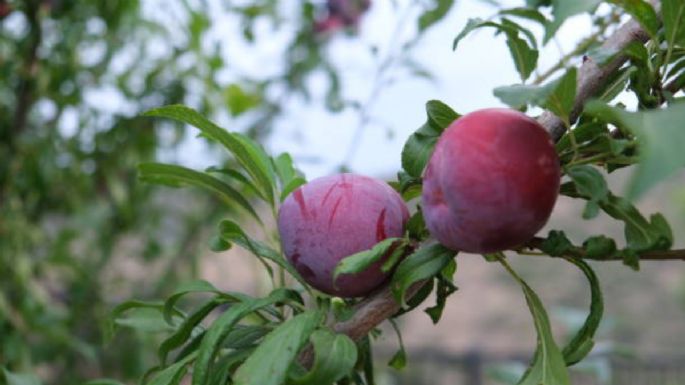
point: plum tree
(332, 217)
(491, 182)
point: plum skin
(335, 216)
(491, 182)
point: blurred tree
(68, 191)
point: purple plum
(333, 217)
(491, 182)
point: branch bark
(591, 78)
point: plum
(491, 182)
(333, 217)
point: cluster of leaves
(68, 187)
(268, 340)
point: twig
(578, 252)
(591, 77)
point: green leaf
(290, 177)
(236, 175)
(291, 186)
(673, 13)
(419, 147)
(180, 176)
(103, 381)
(20, 378)
(599, 246)
(246, 152)
(640, 234)
(223, 325)
(590, 183)
(186, 328)
(422, 264)
(197, 286)
(444, 289)
(172, 375)
(239, 101)
(335, 357)
(581, 344)
(556, 244)
(562, 10)
(557, 96)
(269, 363)
(660, 135)
(526, 13)
(507, 26)
(525, 57)
(124, 307)
(399, 359)
(434, 15)
(548, 366)
(233, 233)
(361, 261)
(643, 12)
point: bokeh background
(79, 233)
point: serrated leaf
(424, 263)
(581, 344)
(246, 152)
(219, 330)
(548, 366)
(232, 232)
(590, 183)
(444, 289)
(361, 261)
(419, 147)
(525, 57)
(599, 246)
(269, 363)
(181, 176)
(660, 135)
(556, 244)
(335, 357)
(557, 96)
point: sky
(463, 79)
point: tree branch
(591, 78)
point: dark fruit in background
(491, 182)
(333, 217)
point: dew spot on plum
(380, 227)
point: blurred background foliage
(74, 76)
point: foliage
(289, 335)
(73, 212)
